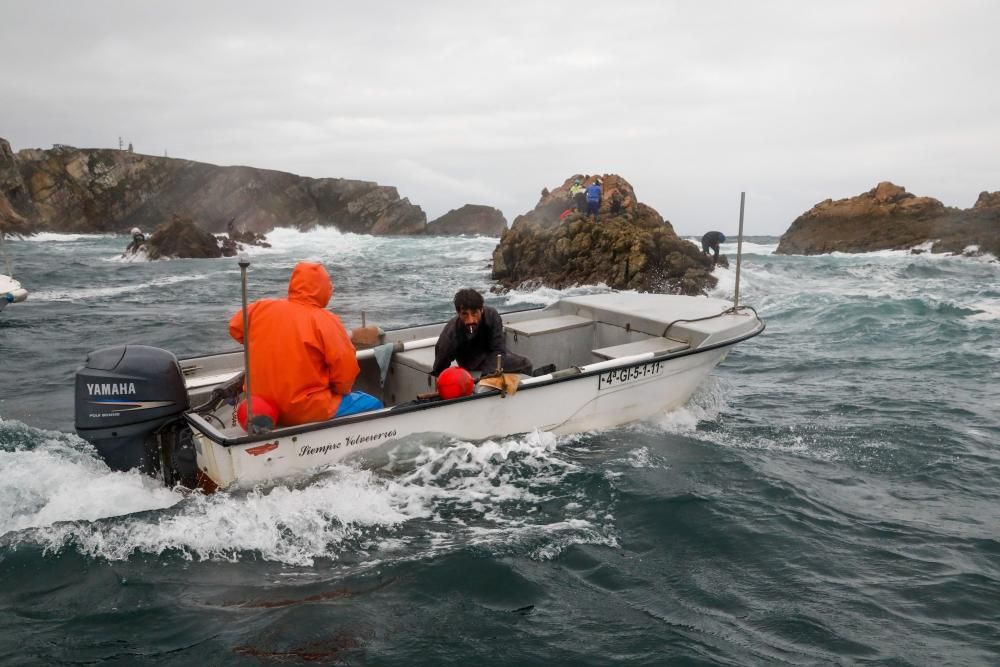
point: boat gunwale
(193, 418)
(239, 350)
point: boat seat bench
(421, 359)
(559, 340)
(656, 345)
(200, 381)
(544, 325)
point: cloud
(458, 103)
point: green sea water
(829, 496)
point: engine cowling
(129, 399)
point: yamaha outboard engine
(129, 404)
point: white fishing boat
(617, 358)
(609, 359)
(11, 291)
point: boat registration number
(620, 376)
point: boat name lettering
(349, 441)
(111, 389)
(352, 440)
(620, 376)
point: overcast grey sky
(488, 102)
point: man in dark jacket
(711, 241)
(474, 338)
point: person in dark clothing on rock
(711, 241)
(138, 240)
(616, 203)
(474, 338)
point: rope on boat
(728, 311)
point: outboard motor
(129, 404)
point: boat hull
(595, 400)
(11, 291)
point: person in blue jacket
(594, 197)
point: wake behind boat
(618, 357)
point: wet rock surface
(630, 247)
(102, 190)
(178, 238)
(888, 217)
(17, 212)
(471, 219)
(182, 237)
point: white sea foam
(729, 248)
(322, 243)
(640, 457)
(708, 401)
(131, 258)
(58, 497)
(102, 292)
(52, 237)
(318, 242)
(58, 479)
(924, 253)
(986, 311)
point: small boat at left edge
(11, 291)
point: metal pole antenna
(244, 261)
(739, 253)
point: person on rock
(711, 241)
(594, 197)
(616, 203)
(301, 357)
(579, 195)
(138, 239)
(474, 338)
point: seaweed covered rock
(627, 246)
(887, 217)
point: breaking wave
(56, 495)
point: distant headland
(887, 217)
(67, 189)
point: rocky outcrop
(99, 190)
(17, 212)
(239, 236)
(471, 219)
(630, 248)
(888, 217)
(987, 201)
(181, 238)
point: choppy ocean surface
(830, 496)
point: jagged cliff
(17, 211)
(888, 217)
(100, 190)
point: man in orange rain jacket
(301, 358)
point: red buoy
(261, 408)
(455, 382)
